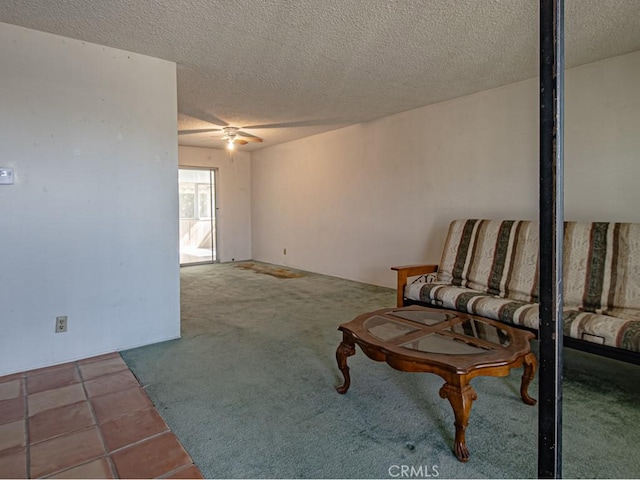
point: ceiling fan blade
(198, 130)
(249, 138)
(240, 142)
(301, 123)
(202, 116)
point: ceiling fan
(232, 135)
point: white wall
(90, 228)
(355, 201)
(233, 197)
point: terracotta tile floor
(86, 419)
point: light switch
(6, 176)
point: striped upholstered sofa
(490, 268)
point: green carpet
(249, 390)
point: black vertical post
(551, 237)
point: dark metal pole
(551, 236)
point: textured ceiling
(285, 69)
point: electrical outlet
(61, 324)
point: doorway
(197, 205)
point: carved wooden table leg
(346, 348)
(461, 399)
(530, 367)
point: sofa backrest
(500, 257)
(601, 266)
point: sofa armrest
(406, 271)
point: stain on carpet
(270, 270)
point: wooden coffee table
(453, 345)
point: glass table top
(436, 343)
(482, 330)
(385, 329)
(428, 318)
(437, 332)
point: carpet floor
(249, 390)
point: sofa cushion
(601, 266)
(614, 331)
(602, 329)
(500, 257)
(474, 302)
(492, 256)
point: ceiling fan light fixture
(231, 133)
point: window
(187, 194)
(195, 201)
(204, 200)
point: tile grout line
(138, 442)
(58, 435)
(112, 467)
(179, 469)
(64, 469)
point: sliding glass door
(197, 191)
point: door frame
(213, 182)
